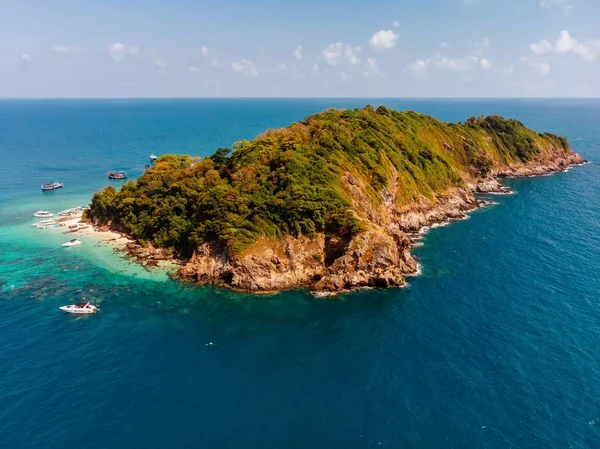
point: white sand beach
(74, 225)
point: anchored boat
(72, 242)
(153, 158)
(43, 223)
(43, 214)
(46, 224)
(116, 174)
(52, 186)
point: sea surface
(495, 345)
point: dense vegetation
(290, 181)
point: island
(332, 203)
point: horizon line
(296, 98)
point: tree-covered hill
(297, 180)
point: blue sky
(401, 48)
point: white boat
(44, 223)
(72, 242)
(43, 214)
(82, 308)
(47, 224)
(52, 186)
(67, 212)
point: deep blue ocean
(495, 345)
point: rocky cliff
(332, 203)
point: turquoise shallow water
(495, 345)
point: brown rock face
(557, 161)
(266, 266)
(378, 257)
(372, 259)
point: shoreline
(210, 266)
(491, 186)
(120, 242)
(69, 222)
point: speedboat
(43, 214)
(52, 186)
(82, 308)
(72, 242)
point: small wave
(417, 272)
(424, 230)
(440, 225)
(323, 294)
(418, 244)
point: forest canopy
(294, 180)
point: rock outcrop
(379, 257)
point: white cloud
(542, 48)
(485, 63)
(24, 61)
(345, 77)
(193, 69)
(419, 66)
(383, 40)
(371, 68)
(217, 64)
(540, 65)
(298, 52)
(161, 63)
(203, 51)
(63, 49)
(463, 64)
(458, 64)
(245, 67)
(395, 24)
(334, 53)
(444, 44)
(119, 51)
(565, 43)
